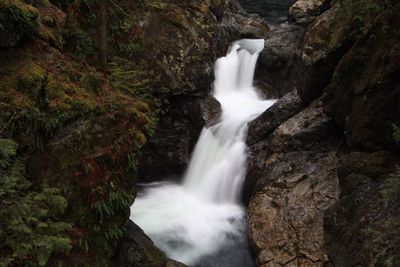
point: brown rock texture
(303, 11)
(364, 99)
(324, 182)
(296, 184)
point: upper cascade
(235, 71)
(217, 168)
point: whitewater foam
(203, 215)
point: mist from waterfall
(202, 219)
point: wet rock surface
(297, 182)
(322, 184)
(167, 152)
(361, 228)
(286, 107)
(364, 95)
(321, 48)
(211, 110)
(276, 62)
(303, 56)
(137, 250)
(304, 11)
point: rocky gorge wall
(76, 134)
(323, 183)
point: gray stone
(137, 250)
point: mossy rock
(18, 20)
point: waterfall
(203, 216)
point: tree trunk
(103, 34)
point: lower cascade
(201, 221)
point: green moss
(48, 20)
(178, 18)
(19, 19)
(30, 80)
(128, 77)
(63, 96)
(157, 4)
(38, 100)
(23, 17)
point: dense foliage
(73, 125)
(31, 229)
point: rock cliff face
(297, 183)
(365, 101)
(322, 180)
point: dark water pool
(273, 11)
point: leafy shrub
(92, 82)
(30, 231)
(82, 42)
(114, 202)
(126, 76)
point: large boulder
(304, 11)
(304, 57)
(235, 24)
(296, 183)
(283, 109)
(321, 48)
(276, 61)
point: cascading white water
(203, 215)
